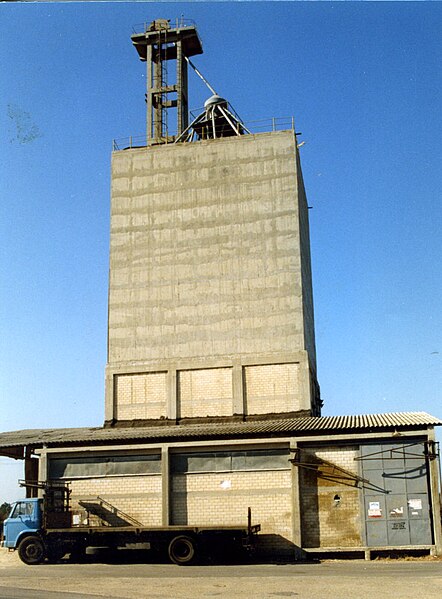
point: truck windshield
(22, 508)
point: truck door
(24, 516)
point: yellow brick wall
(137, 496)
(271, 388)
(206, 392)
(141, 395)
(326, 522)
(223, 498)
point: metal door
(396, 501)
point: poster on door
(374, 509)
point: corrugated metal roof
(291, 426)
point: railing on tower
(255, 126)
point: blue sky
(363, 81)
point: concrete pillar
(296, 507)
(31, 472)
(109, 408)
(165, 485)
(305, 387)
(172, 395)
(238, 389)
(42, 469)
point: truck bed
(170, 528)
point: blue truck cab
(25, 519)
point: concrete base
(367, 552)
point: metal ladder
(103, 510)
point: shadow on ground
(103, 555)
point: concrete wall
(306, 269)
(208, 263)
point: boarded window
(222, 461)
(104, 466)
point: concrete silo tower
(210, 300)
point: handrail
(112, 508)
(256, 126)
(118, 512)
(176, 23)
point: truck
(47, 528)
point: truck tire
(182, 550)
(32, 551)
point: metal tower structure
(156, 45)
(217, 120)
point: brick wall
(327, 521)
(137, 496)
(206, 392)
(272, 388)
(223, 498)
(141, 395)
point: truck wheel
(182, 550)
(31, 551)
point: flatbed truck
(42, 529)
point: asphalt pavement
(386, 579)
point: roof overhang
(12, 444)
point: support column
(149, 83)
(172, 395)
(296, 507)
(109, 401)
(434, 469)
(42, 468)
(179, 86)
(157, 98)
(305, 388)
(238, 389)
(165, 486)
(31, 472)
